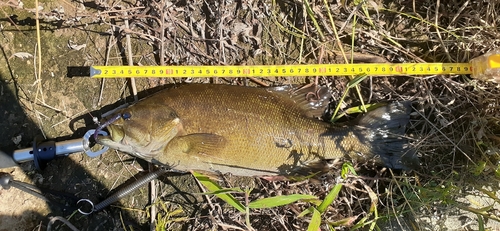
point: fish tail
(384, 130)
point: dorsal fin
(312, 99)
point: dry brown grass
(454, 128)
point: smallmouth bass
(250, 131)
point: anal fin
(316, 168)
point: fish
(255, 131)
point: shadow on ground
(21, 211)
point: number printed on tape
(371, 69)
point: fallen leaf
(23, 55)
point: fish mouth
(115, 133)
(115, 137)
(116, 140)
(109, 125)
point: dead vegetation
(454, 128)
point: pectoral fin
(202, 144)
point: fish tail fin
(384, 129)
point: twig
(152, 185)
(162, 43)
(226, 226)
(130, 59)
(438, 3)
(10, 20)
(258, 81)
(38, 75)
(38, 60)
(61, 219)
(106, 61)
(446, 137)
(202, 188)
(320, 60)
(153, 194)
(162, 34)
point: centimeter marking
(373, 69)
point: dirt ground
(454, 128)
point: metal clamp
(92, 208)
(43, 152)
(86, 143)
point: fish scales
(255, 122)
(252, 131)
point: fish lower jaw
(108, 141)
(147, 157)
(129, 149)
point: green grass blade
(360, 224)
(311, 14)
(480, 222)
(346, 168)
(334, 27)
(355, 84)
(212, 187)
(352, 83)
(223, 191)
(284, 27)
(479, 168)
(305, 212)
(343, 222)
(278, 201)
(497, 171)
(337, 108)
(424, 21)
(367, 14)
(357, 79)
(315, 221)
(353, 38)
(359, 109)
(354, 110)
(332, 195)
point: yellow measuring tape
(488, 64)
(374, 69)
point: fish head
(142, 130)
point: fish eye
(126, 115)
